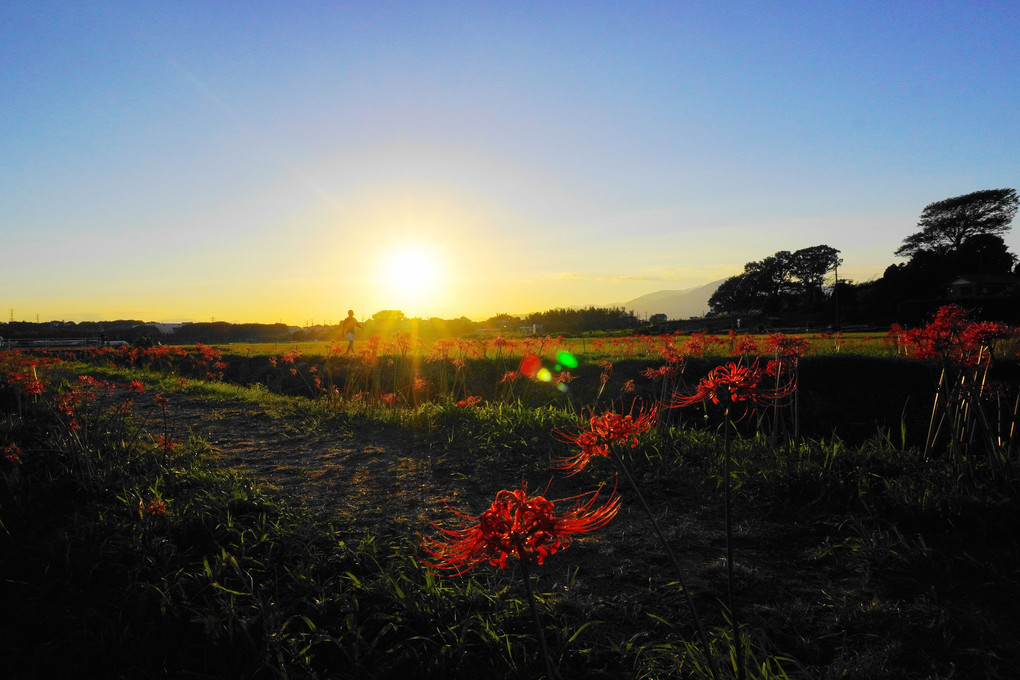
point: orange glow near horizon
(411, 276)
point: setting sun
(410, 277)
(410, 270)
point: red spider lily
(440, 350)
(747, 345)
(468, 402)
(696, 344)
(736, 383)
(67, 402)
(404, 341)
(509, 376)
(659, 373)
(787, 346)
(155, 508)
(895, 334)
(981, 336)
(501, 344)
(370, 350)
(616, 428)
(32, 387)
(161, 401)
(518, 526)
(671, 353)
(628, 386)
(11, 453)
(592, 446)
(607, 370)
(166, 443)
(207, 353)
(951, 339)
(135, 386)
(607, 430)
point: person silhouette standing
(347, 328)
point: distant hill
(675, 304)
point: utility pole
(835, 295)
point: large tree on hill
(735, 295)
(777, 282)
(772, 278)
(946, 225)
(810, 265)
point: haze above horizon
(271, 162)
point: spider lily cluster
(736, 386)
(520, 526)
(971, 413)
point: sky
(287, 161)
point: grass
(590, 348)
(853, 559)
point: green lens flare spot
(567, 359)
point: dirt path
(385, 482)
(369, 478)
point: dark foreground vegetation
(871, 534)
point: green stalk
(549, 671)
(929, 440)
(676, 564)
(734, 623)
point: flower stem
(539, 632)
(676, 564)
(737, 643)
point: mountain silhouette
(675, 304)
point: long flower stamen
(516, 525)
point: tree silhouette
(781, 281)
(947, 224)
(810, 265)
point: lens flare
(530, 365)
(566, 359)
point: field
(596, 348)
(768, 507)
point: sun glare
(410, 270)
(410, 278)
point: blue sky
(269, 162)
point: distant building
(167, 328)
(971, 286)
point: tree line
(956, 236)
(384, 322)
